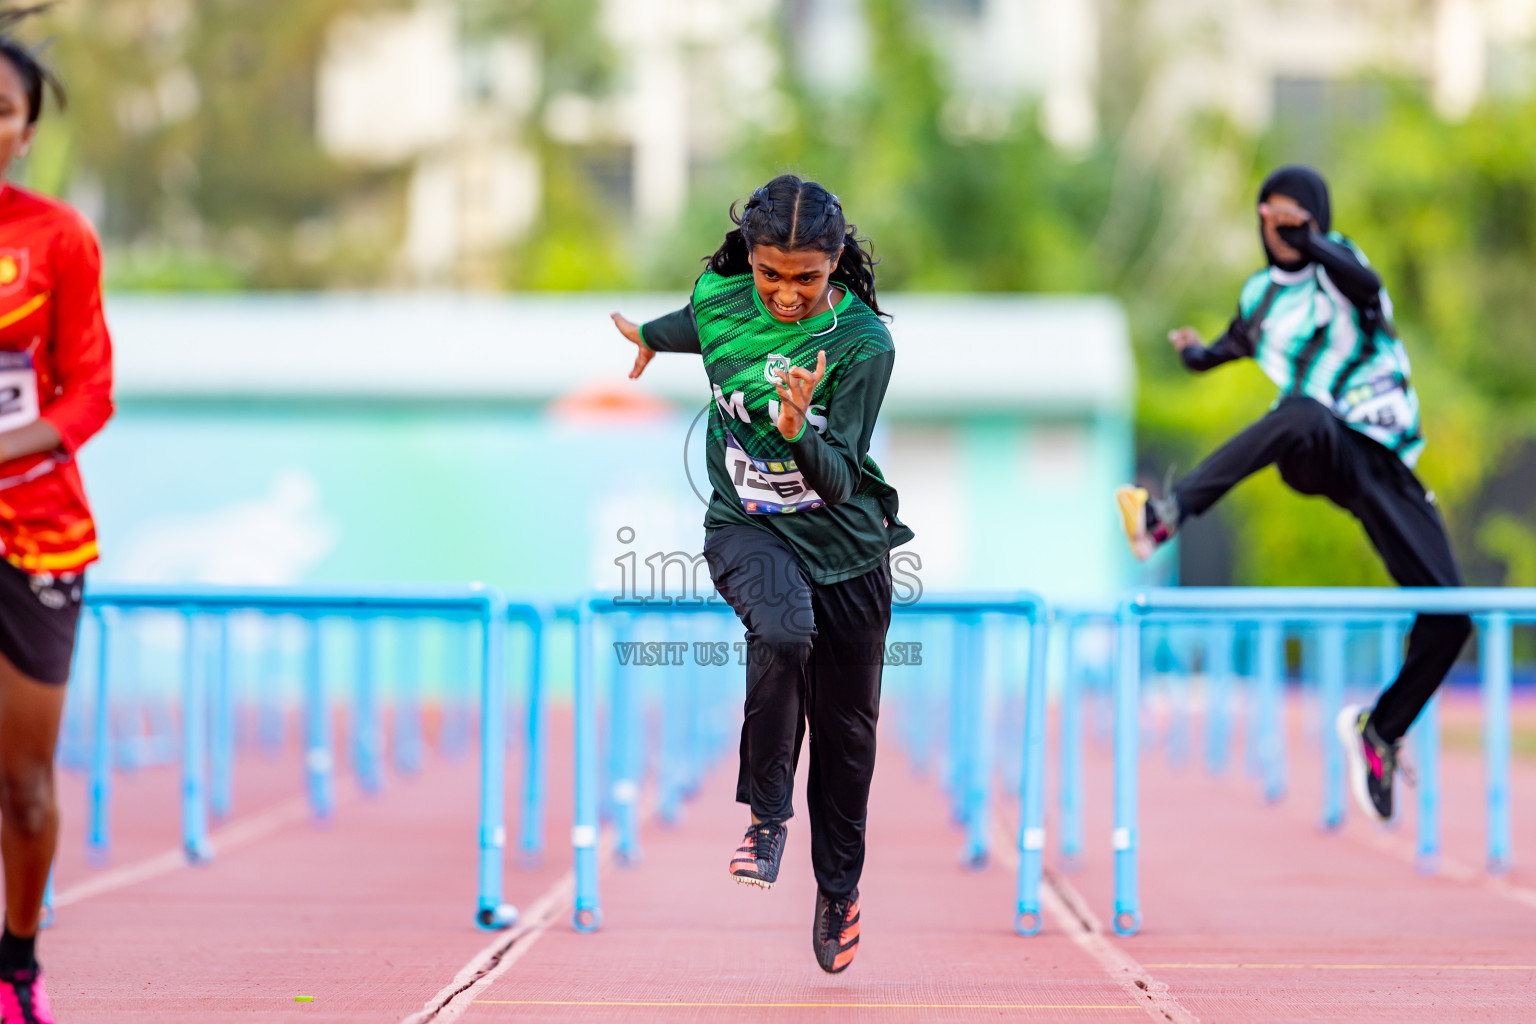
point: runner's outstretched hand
(795, 389)
(1182, 338)
(631, 330)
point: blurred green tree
(191, 140)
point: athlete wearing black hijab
(1345, 426)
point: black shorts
(38, 617)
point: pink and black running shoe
(1371, 762)
(23, 997)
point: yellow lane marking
(23, 311)
(1347, 967)
(830, 1006)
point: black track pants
(1317, 454)
(813, 656)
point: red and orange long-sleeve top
(55, 365)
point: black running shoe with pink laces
(756, 861)
(835, 932)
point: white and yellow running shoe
(1145, 527)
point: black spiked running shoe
(756, 861)
(835, 933)
(1372, 762)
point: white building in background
(996, 53)
(410, 88)
(1257, 60)
(407, 88)
(694, 75)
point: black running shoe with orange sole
(835, 932)
(756, 861)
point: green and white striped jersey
(821, 492)
(1308, 338)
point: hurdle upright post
(1176, 687)
(269, 690)
(319, 761)
(960, 740)
(1496, 738)
(1271, 724)
(531, 840)
(453, 733)
(46, 920)
(1069, 792)
(976, 781)
(492, 913)
(587, 913)
(1253, 707)
(626, 757)
(1330, 693)
(222, 725)
(670, 771)
(1219, 640)
(367, 752)
(99, 837)
(194, 746)
(1127, 725)
(407, 709)
(1027, 916)
(1427, 742)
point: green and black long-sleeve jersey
(820, 493)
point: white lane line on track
(1392, 843)
(241, 833)
(1067, 909)
(1450, 868)
(1062, 901)
(497, 958)
(455, 998)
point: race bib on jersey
(1380, 403)
(18, 390)
(767, 486)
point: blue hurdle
(705, 733)
(973, 749)
(684, 709)
(206, 741)
(1073, 620)
(1330, 610)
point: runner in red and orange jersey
(55, 393)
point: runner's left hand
(795, 389)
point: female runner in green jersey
(800, 522)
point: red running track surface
(1252, 914)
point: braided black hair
(792, 214)
(35, 75)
